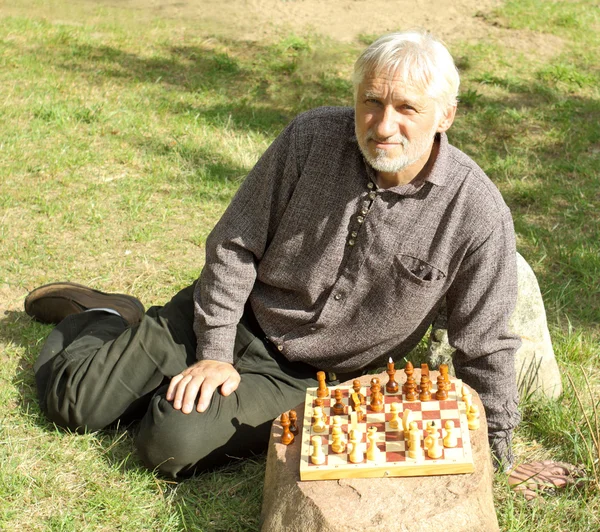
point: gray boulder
(537, 370)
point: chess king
(337, 251)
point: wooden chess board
(394, 460)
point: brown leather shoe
(53, 302)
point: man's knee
(176, 444)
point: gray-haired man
(337, 252)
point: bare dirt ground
(343, 20)
(339, 19)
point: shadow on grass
(540, 147)
(227, 498)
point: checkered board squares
(394, 460)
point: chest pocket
(418, 272)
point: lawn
(122, 140)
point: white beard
(411, 151)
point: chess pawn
(287, 437)
(414, 442)
(376, 396)
(373, 452)
(319, 402)
(394, 422)
(408, 369)
(467, 397)
(441, 394)
(356, 455)
(360, 413)
(473, 417)
(318, 424)
(432, 441)
(425, 394)
(322, 390)
(411, 388)
(450, 439)
(318, 456)
(293, 422)
(338, 444)
(338, 406)
(406, 421)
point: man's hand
(203, 377)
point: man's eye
(372, 101)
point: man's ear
(446, 119)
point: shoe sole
(73, 295)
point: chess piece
(293, 422)
(391, 385)
(373, 452)
(356, 387)
(360, 413)
(322, 390)
(411, 394)
(338, 407)
(450, 439)
(473, 417)
(414, 442)
(338, 444)
(406, 421)
(287, 437)
(408, 369)
(441, 394)
(318, 456)
(425, 394)
(467, 396)
(424, 369)
(432, 441)
(444, 374)
(318, 423)
(319, 402)
(356, 455)
(394, 422)
(376, 396)
(353, 420)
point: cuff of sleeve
(216, 344)
(501, 447)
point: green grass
(122, 139)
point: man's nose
(388, 125)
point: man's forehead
(382, 83)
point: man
(337, 252)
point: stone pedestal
(448, 503)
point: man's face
(395, 126)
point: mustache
(395, 139)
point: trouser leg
(178, 444)
(93, 369)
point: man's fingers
(180, 391)
(231, 384)
(173, 386)
(191, 392)
(206, 393)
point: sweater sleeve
(480, 303)
(237, 243)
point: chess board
(394, 460)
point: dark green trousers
(94, 370)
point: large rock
(537, 371)
(448, 503)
